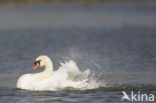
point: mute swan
(68, 75)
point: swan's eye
(37, 62)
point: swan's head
(41, 61)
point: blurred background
(115, 39)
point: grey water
(115, 40)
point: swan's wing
(69, 66)
(73, 71)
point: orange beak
(37, 64)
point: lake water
(116, 41)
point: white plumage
(68, 75)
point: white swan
(68, 75)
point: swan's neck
(48, 68)
(47, 71)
